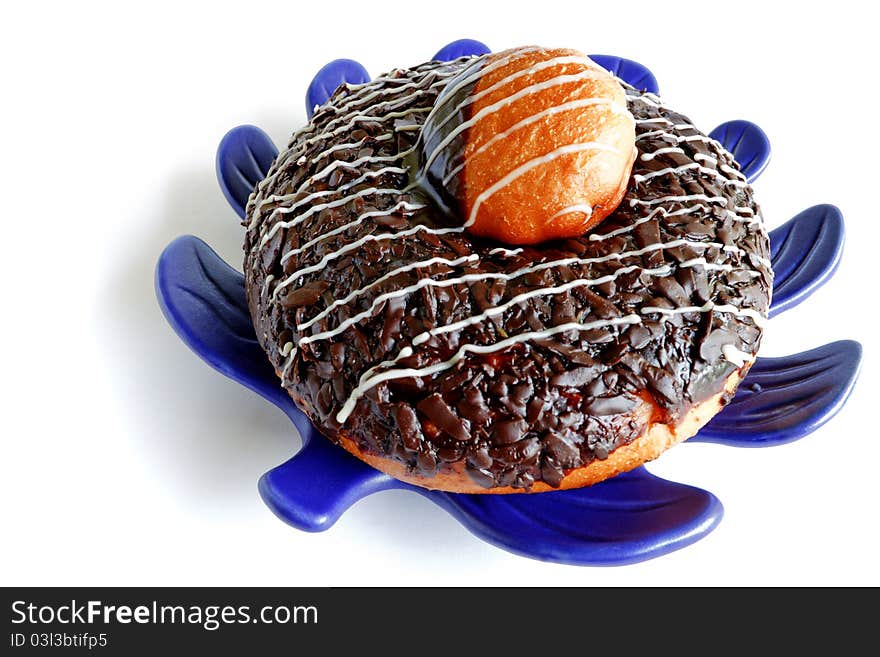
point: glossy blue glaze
(243, 158)
(633, 73)
(461, 48)
(748, 144)
(630, 518)
(805, 252)
(311, 490)
(203, 299)
(784, 399)
(328, 79)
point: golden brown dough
(656, 438)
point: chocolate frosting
(434, 348)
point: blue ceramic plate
(632, 517)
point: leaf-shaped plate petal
(747, 143)
(203, 299)
(630, 518)
(328, 80)
(633, 73)
(805, 252)
(633, 517)
(243, 159)
(315, 487)
(461, 48)
(784, 399)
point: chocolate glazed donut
(456, 362)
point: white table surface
(128, 461)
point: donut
(520, 312)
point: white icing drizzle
(726, 212)
(423, 337)
(326, 171)
(370, 379)
(500, 250)
(597, 237)
(586, 208)
(751, 313)
(315, 209)
(294, 152)
(679, 139)
(390, 79)
(693, 166)
(354, 164)
(329, 192)
(348, 117)
(394, 272)
(562, 107)
(359, 100)
(323, 173)
(754, 220)
(677, 199)
(385, 136)
(373, 380)
(358, 244)
(507, 100)
(649, 99)
(702, 157)
(733, 172)
(284, 370)
(528, 166)
(549, 63)
(543, 291)
(699, 157)
(421, 91)
(346, 122)
(735, 356)
(480, 71)
(394, 294)
(659, 119)
(766, 263)
(741, 181)
(646, 157)
(269, 279)
(710, 266)
(402, 206)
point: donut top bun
(529, 145)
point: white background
(128, 461)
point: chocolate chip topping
(686, 247)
